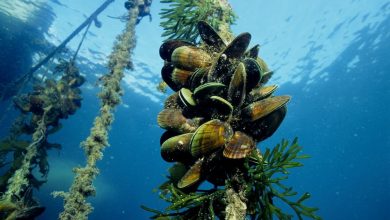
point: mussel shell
(172, 101)
(166, 135)
(266, 77)
(190, 58)
(186, 98)
(173, 119)
(167, 48)
(266, 127)
(261, 93)
(253, 71)
(209, 137)
(210, 36)
(239, 146)
(180, 77)
(176, 172)
(264, 107)
(192, 176)
(196, 79)
(166, 74)
(208, 89)
(221, 105)
(253, 52)
(234, 50)
(238, 46)
(237, 86)
(177, 148)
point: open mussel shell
(239, 146)
(266, 127)
(192, 176)
(253, 71)
(177, 148)
(209, 137)
(208, 89)
(222, 106)
(264, 107)
(210, 36)
(167, 48)
(186, 98)
(237, 86)
(166, 74)
(190, 58)
(260, 93)
(173, 119)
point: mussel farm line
(75, 204)
(41, 111)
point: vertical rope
(75, 205)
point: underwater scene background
(332, 57)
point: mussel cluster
(62, 97)
(221, 107)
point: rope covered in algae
(19, 182)
(75, 204)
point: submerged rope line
(19, 182)
(75, 204)
(81, 42)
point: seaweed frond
(266, 174)
(249, 192)
(181, 17)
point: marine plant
(221, 107)
(41, 111)
(181, 16)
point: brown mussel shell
(266, 127)
(209, 137)
(166, 75)
(173, 119)
(190, 58)
(192, 176)
(239, 146)
(177, 149)
(264, 107)
(167, 48)
(172, 101)
(180, 77)
(260, 93)
(237, 86)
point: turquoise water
(332, 58)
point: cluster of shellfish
(221, 106)
(63, 97)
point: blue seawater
(332, 57)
